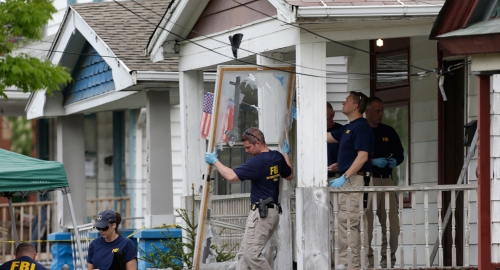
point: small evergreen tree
(180, 254)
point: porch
(422, 224)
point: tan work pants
(352, 215)
(257, 232)
(382, 217)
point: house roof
(315, 3)
(126, 28)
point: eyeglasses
(248, 133)
(103, 229)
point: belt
(254, 206)
(383, 176)
(362, 173)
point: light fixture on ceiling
(380, 42)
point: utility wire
(272, 58)
(250, 63)
(331, 40)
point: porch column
(193, 146)
(159, 202)
(484, 185)
(312, 201)
(284, 258)
(71, 152)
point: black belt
(362, 173)
(254, 206)
(382, 176)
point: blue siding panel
(92, 76)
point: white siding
(336, 85)
(495, 168)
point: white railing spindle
(362, 253)
(414, 210)
(336, 225)
(349, 250)
(401, 249)
(440, 228)
(426, 211)
(388, 229)
(466, 228)
(374, 233)
(453, 230)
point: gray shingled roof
(125, 33)
(315, 3)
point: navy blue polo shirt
(333, 148)
(23, 262)
(353, 137)
(101, 253)
(387, 142)
(264, 170)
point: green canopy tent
(21, 175)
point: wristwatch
(345, 176)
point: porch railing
(33, 221)
(425, 229)
(421, 223)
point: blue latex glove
(286, 147)
(294, 112)
(211, 158)
(338, 182)
(380, 162)
(392, 163)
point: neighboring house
(468, 32)
(402, 72)
(100, 132)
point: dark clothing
(333, 149)
(22, 263)
(264, 170)
(353, 137)
(101, 253)
(387, 142)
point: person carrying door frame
(264, 170)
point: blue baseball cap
(104, 218)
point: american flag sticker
(206, 118)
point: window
(390, 82)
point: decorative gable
(92, 76)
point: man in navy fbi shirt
(354, 163)
(264, 170)
(25, 259)
(388, 153)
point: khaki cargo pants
(382, 217)
(257, 232)
(353, 216)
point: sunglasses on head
(248, 133)
(104, 229)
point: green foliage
(22, 135)
(182, 251)
(25, 19)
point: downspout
(131, 154)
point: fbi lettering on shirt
(273, 173)
(22, 266)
